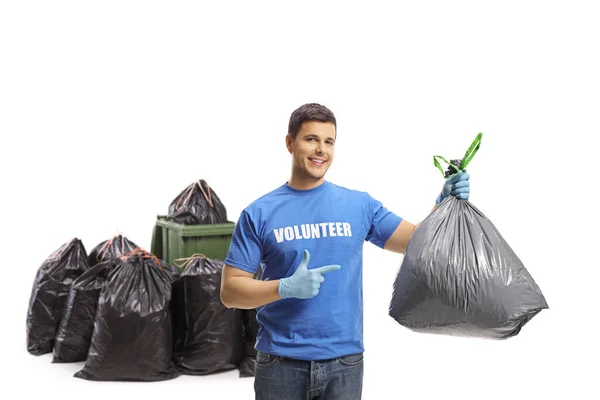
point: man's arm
(240, 290)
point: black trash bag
(460, 277)
(48, 296)
(115, 247)
(249, 332)
(77, 322)
(198, 204)
(133, 338)
(207, 335)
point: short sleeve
(245, 250)
(383, 223)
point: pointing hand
(304, 283)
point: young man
(307, 236)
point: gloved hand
(304, 283)
(457, 185)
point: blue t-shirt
(333, 223)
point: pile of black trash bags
(132, 317)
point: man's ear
(288, 142)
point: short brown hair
(309, 112)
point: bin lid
(196, 230)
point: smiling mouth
(316, 162)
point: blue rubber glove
(304, 283)
(457, 185)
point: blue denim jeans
(280, 378)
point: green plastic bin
(171, 240)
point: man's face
(313, 149)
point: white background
(109, 109)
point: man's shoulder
(350, 192)
(266, 200)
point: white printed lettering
(305, 231)
(324, 228)
(347, 231)
(278, 234)
(313, 231)
(289, 233)
(338, 229)
(332, 229)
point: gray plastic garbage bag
(460, 277)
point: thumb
(455, 178)
(327, 268)
(305, 260)
(464, 176)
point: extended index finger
(326, 268)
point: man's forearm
(248, 293)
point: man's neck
(304, 184)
